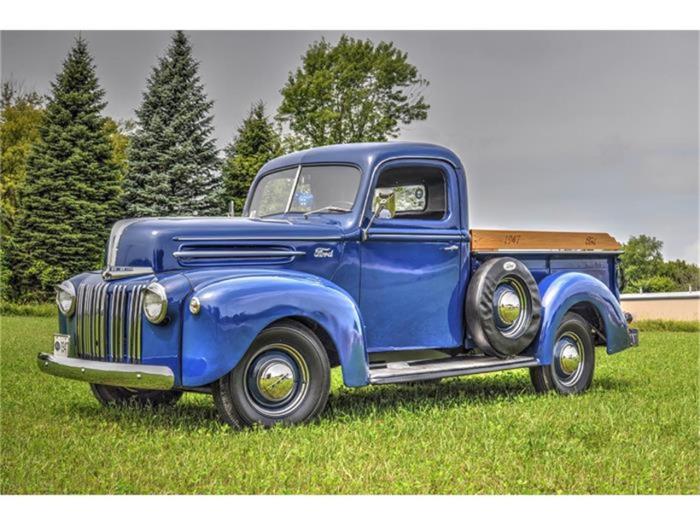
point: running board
(405, 371)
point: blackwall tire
(116, 395)
(490, 326)
(572, 372)
(284, 378)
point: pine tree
(72, 191)
(173, 161)
(256, 142)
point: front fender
(235, 310)
(560, 292)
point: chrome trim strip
(415, 236)
(112, 308)
(119, 325)
(139, 321)
(103, 322)
(79, 320)
(134, 323)
(115, 235)
(115, 329)
(248, 239)
(91, 320)
(115, 374)
(242, 254)
(129, 326)
(120, 272)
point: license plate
(61, 343)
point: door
(411, 260)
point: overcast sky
(589, 131)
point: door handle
(451, 248)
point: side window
(419, 192)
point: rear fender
(235, 310)
(560, 292)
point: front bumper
(115, 374)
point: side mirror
(384, 208)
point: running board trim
(406, 371)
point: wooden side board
(506, 240)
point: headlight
(65, 298)
(155, 303)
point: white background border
(328, 15)
(355, 14)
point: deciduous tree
(119, 133)
(20, 118)
(642, 259)
(354, 91)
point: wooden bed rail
(518, 240)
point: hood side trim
(194, 254)
(257, 238)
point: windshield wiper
(333, 209)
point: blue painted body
(397, 290)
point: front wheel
(573, 360)
(284, 377)
(118, 395)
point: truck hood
(164, 244)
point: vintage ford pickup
(358, 256)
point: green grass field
(635, 431)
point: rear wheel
(283, 378)
(117, 395)
(573, 359)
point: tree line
(68, 171)
(646, 271)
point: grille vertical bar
(79, 321)
(108, 322)
(119, 291)
(100, 320)
(139, 321)
(135, 324)
(112, 325)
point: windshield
(329, 189)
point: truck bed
(548, 252)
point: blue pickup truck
(358, 256)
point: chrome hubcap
(510, 307)
(568, 358)
(276, 380)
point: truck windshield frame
(306, 188)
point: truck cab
(358, 256)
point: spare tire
(503, 308)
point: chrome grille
(108, 322)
